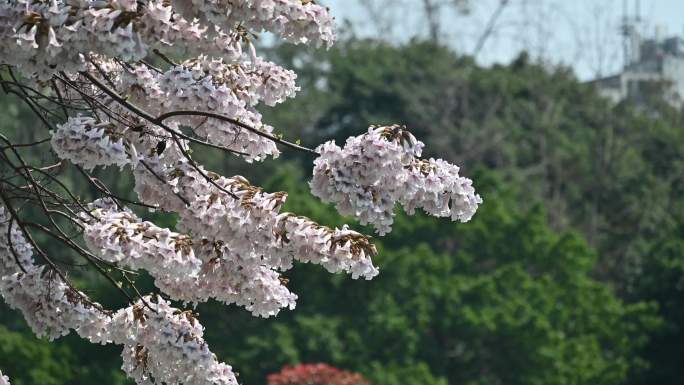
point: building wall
(659, 64)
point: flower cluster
(246, 220)
(231, 242)
(231, 211)
(85, 142)
(315, 374)
(52, 308)
(435, 186)
(231, 277)
(119, 236)
(336, 250)
(376, 170)
(214, 87)
(4, 380)
(182, 268)
(49, 305)
(43, 38)
(182, 87)
(165, 345)
(244, 236)
(15, 252)
(252, 81)
(295, 20)
(227, 87)
(161, 343)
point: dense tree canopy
(504, 299)
(612, 172)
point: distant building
(651, 65)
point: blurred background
(567, 116)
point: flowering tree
(86, 68)
(315, 374)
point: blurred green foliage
(500, 300)
(35, 362)
(571, 272)
(614, 173)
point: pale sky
(581, 33)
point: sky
(583, 34)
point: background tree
(504, 299)
(315, 374)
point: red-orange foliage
(315, 374)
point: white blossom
(13, 246)
(230, 94)
(119, 236)
(85, 142)
(4, 380)
(51, 308)
(246, 220)
(230, 277)
(435, 186)
(43, 38)
(336, 250)
(295, 20)
(231, 243)
(160, 342)
(376, 170)
(251, 81)
(165, 345)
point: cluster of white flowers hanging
(4, 380)
(83, 141)
(160, 342)
(45, 37)
(376, 170)
(232, 242)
